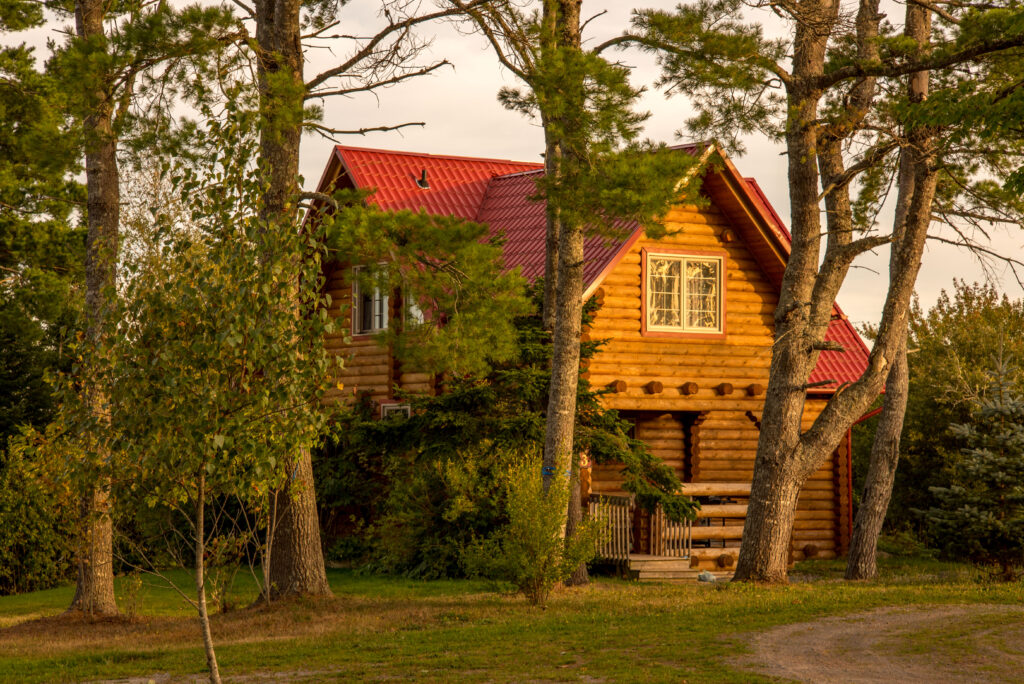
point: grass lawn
(388, 628)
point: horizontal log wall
(706, 374)
(664, 435)
(365, 366)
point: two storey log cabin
(689, 319)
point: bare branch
(366, 87)
(398, 27)
(938, 10)
(322, 196)
(328, 132)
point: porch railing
(720, 522)
(669, 538)
(617, 514)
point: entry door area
(671, 437)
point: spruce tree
(980, 515)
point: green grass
(386, 628)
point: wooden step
(678, 575)
(661, 565)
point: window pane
(703, 294)
(664, 292)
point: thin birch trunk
(204, 616)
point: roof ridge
(409, 153)
(517, 173)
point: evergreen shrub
(980, 515)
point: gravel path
(959, 643)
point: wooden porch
(649, 546)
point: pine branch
(932, 63)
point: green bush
(37, 525)
(980, 516)
(530, 551)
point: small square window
(393, 410)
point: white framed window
(391, 410)
(684, 293)
(369, 307)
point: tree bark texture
(565, 358)
(885, 454)
(297, 561)
(787, 456)
(574, 518)
(885, 450)
(552, 229)
(94, 588)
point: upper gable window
(684, 293)
(369, 308)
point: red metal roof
(508, 209)
(457, 184)
(498, 192)
(840, 367)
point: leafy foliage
(980, 515)
(37, 523)
(529, 551)
(448, 268)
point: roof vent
(422, 181)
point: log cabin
(689, 320)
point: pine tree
(857, 106)
(282, 29)
(103, 70)
(596, 172)
(980, 516)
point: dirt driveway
(959, 643)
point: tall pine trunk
(297, 560)
(787, 456)
(764, 555)
(862, 562)
(94, 587)
(885, 453)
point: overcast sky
(463, 117)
